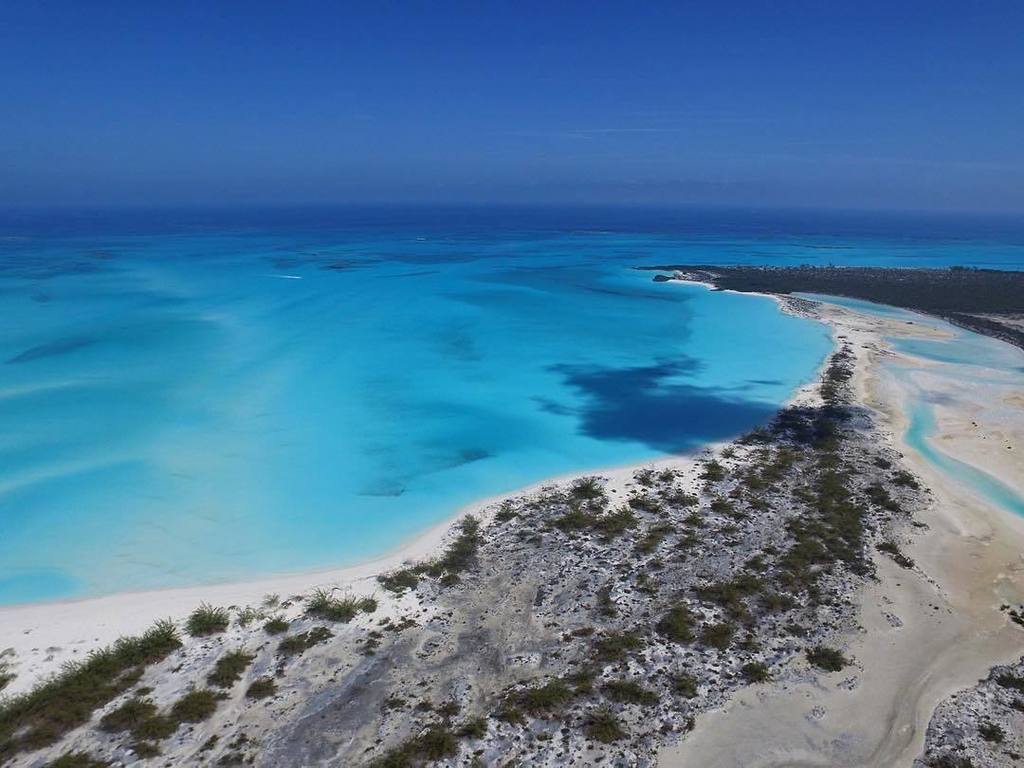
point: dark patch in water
(432, 462)
(387, 488)
(46, 269)
(421, 273)
(52, 349)
(339, 265)
(638, 404)
(459, 345)
(633, 294)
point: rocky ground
(981, 727)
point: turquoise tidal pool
(964, 356)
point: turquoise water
(962, 348)
(195, 397)
(919, 433)
(987, 359)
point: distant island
(988, 301)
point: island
(815, 591)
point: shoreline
(42, 629)
(913, 634)
(950, 628)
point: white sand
(925, 633)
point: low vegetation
(457, 558)
(684, 685)
(717, 635)
(6, 676)
(41, 717)
(602, 725)
(294, 645)
(78, 760)
(827, 659)
(195, 706)
(893, 550)
(436, 742)
(229, 668)
(275, 626)
(324, 604)
(755, 672)
(615, 645)
(262, 688)
(207, 620)
(628, 692)
(677, 624)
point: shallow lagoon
(987, 359)
(194, 402)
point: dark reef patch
(52, 349)
(639, 404)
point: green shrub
(892, 549)
(448, 709)
(905, 479)
(207, 620)
(676, 625)
(827, 659)
(248, 615)
(78, 760)
(399, 581)
(644, 502)
(684, 685)
(146, 749)
(613, 524)
(262, 688)
(42, 716)
(574, 520)
(717, 635)
(276, 626)
(755, 672)
(437, 742)
(154, 728)
(1010, 680)
(128, 716)
(605, 604)
(547, 698)
(654, 536)
(629, 692)
(587, 489)
(506, 512)
(474, 728)
(644, 476)
(679, 498)
(603, 726)
(195, 706)
(303, 641)
(229, 668)
(325, 605)
(615, 645)
(713, 472)
(992, 732)
(6, 676)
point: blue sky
(899, 105)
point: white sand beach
(925, 633)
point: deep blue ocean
(193, 396)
